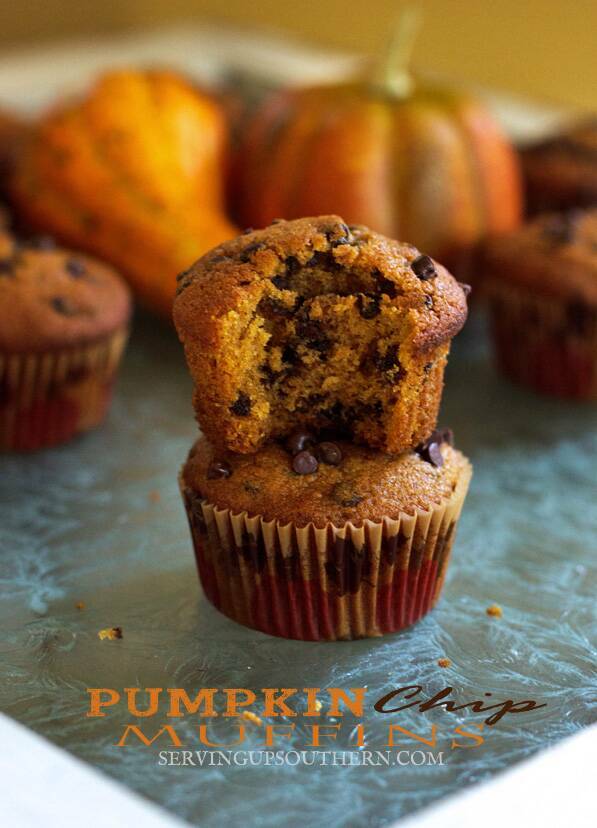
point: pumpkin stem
(393, 76)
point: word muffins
(322, 499)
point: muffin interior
(327, 342)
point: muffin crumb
(495, 611)
(444, 662)
(80, 605)
(252, 717)
(110, 633)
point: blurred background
(541, 49)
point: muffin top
(566, 163)
(52, 298)
(290, 251)
(350, 483)
(555, 254)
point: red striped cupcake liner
(545, 343)
(323, 584)
(45, 399)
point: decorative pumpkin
(428, 166)
(133, 174)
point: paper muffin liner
(47, 398)
(325, 583)
(545, 343)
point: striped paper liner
(545, 343)
(324, 583)
(47, 398)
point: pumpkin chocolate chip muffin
(324, 540)
(63, 325)
(313, 323)
(542, 286)
(561, 172)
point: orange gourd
(132, 173)
(424, 165)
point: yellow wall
(543, 48)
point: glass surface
(100, 521)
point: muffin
(311, 323)
(63, 326)
(542, 287)
(561, 173)
(333, 541)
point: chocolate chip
(428, 301)
(427, 367)
(75, 268)
(389, 360)
(250, 249)
(446, 436)
(218, 469)
(353, 500)
(561, 228)
(299, 440)
(385, 285)
(310, 330)
(251, 488)
(290, 355)
(305, 463)
(242, 405)
(329, 453)
(281, 281)
(466, 289)
(368, 305)
(424, 268)
(63, 306)
(43, 243)
(270, 308)
(344, 238)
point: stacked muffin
(322, 500)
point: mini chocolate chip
(354, 500)
(446, 436)
(281, 281)
(242, 405)
(336, 240)
(428, 301)
(63, 306)
(424, 268)
(389, 360)
(427, 368)
(251, 488)
(466, 289)
(218, 469)
(250, 249)
(310, 330)
(75, 268)
(305, 463)
(299, 440)
(430, 451)
(329, 453)
(561, 228)
(290, 355)
(385, 285)
(368, 305)
(270, 308)
(43, 243)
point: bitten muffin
(561, 173)
(313, 323)
(542, 286)
(63, 325)
(332, 541)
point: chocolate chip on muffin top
(52, 298)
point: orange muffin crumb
(111, 633)
(495, 611)
(444, 662)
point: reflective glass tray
(100, 521)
